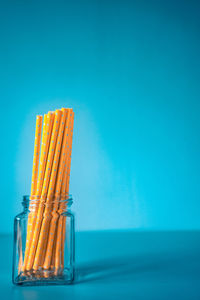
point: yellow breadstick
(69, 157)
(43, 142)
(57, 196)
(43, 161)
(58, 244)
(44, 153)
(53, 251)
(48, 122)
(64, 197)
(49, 188)
(65, 188)
(36, 154)
(60, 230)
(60, 233)
(64, 182)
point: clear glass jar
(49, 258)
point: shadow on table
(124, 268)
(138, 254)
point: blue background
(131, 71)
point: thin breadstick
(62, 207)
(66, 191)
(42, 169)
(47, 128)
(70, 156)
(60, 219)
(63, 197)
(53, 251)
(36, 155)
(47, 261)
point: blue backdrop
(131, 71)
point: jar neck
(58, 203)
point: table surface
(120, 264)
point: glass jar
(43, 247)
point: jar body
(60, 263)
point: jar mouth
(36, 200)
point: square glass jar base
(44, 277)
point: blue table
(120, 265)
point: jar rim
(36, 199)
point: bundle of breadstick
(49, 186)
